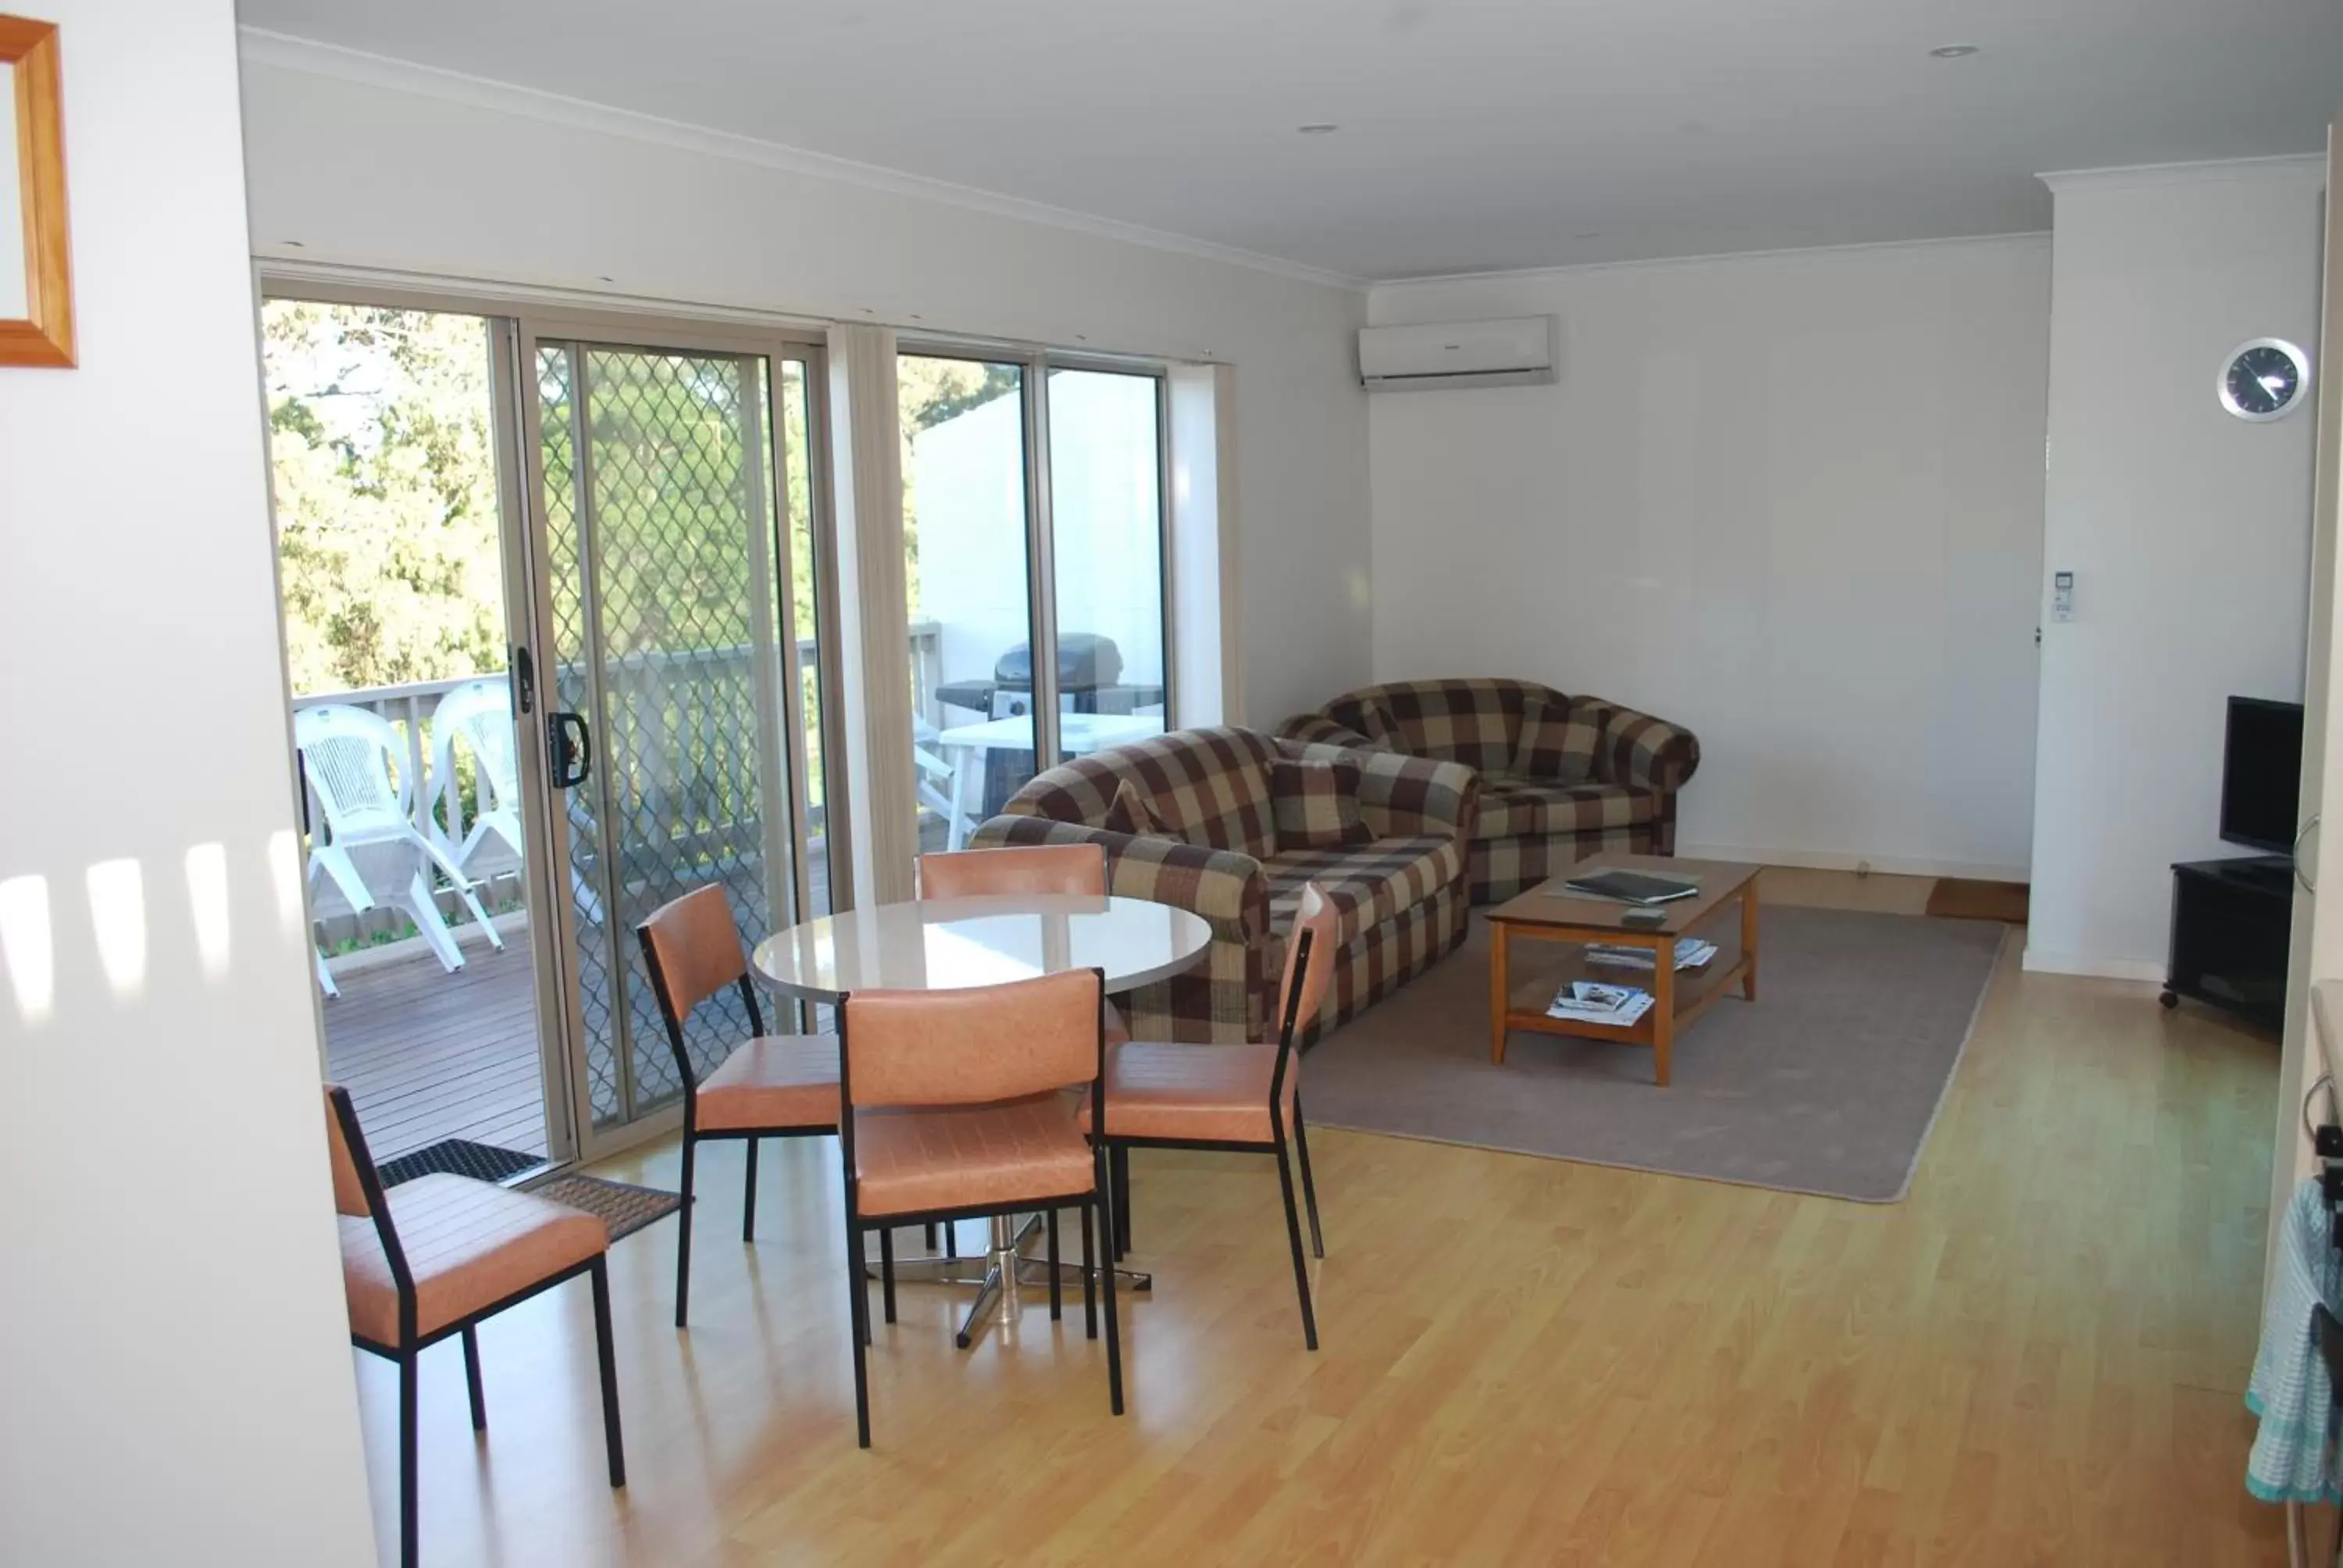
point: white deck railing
(705, 695)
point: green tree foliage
(385, 492)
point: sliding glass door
(1033, 541)
(681, 669)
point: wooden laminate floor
(2035, 1359)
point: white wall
(1792, 501)
(2188, 532)
(381, 175)
(968, 482)
(174, 1361)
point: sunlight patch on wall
(208, 901)
(117, 914)
(27, 946)
(285, 876)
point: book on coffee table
(1631, 888)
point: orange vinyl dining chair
(432, 1257)
(770, 1086)
(1076, 870)
(956, 1110)
(1235, 1097)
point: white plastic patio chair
(371, 852)
(935, 778)
(480, 714)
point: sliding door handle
(2294, 856)
(569, 749)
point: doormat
(622, 1206)
(1962, 899)
(458, 1157)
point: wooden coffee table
(1547, 914)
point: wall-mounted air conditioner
(1522, 351)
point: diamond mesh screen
(655, 591)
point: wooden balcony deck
(428, 1055)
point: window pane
(964, 489)
(1106, 508)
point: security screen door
(681, 688)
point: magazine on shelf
(1690, 955)
(1591, 1002)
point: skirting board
(1830, 861)
(2036, 961)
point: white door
(2317, 948)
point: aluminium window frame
(1035, 361)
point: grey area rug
(1826, 1084)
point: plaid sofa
(1401, 899)
(1529, 827)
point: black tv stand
(2231, 920)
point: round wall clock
(2264, 380)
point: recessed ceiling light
(1318, 129)
(1953, 51)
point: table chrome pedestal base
(998, 1275)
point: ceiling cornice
(284, 52)
(2037, 237)
(2311, 165)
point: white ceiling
(1475, 135)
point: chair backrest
(479, 713)
(348, 753)
(350, 1187)
(1078, 868)
(357, 1192)
(1308, 966)
(966, 1047)
(692, 950)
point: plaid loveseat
(1401, 899)
(1536, 818)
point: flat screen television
(2261, 774)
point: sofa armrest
(1317, 729)
(1229, 890)
(1648, 753)
(1404, 797)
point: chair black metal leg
(1293, 1235)
(472, 1381)
(683, 1238)
(951, 1239)
(605, 1355)
(1056, 1295)
(1090, 1275)
(1121, 1166)
(410, 1550)
(887, 1269)
(1106, 1276)
(748, 1197)
(858, 1308)
(1308, 1187)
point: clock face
(2264, 380)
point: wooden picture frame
(44, 334)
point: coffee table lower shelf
(1693, 990)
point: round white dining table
(955, 944)
(951, 944)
